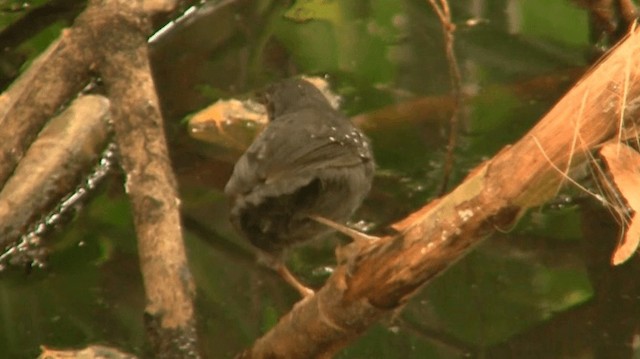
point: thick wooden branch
(110, 38)
(53, 79)
(53, 165)
(382, 276)
(121, 27)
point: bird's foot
(284, 272)
(277, 264)
(357, 236)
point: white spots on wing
(355, 136)
(356, 139)
(334, 140)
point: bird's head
(291, 95)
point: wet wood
(110, 39)
(53, 165)
(121, 28)
(54, 77)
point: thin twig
(441, 7)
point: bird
(309, 168)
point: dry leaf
(234, 123)
(90, 352)
(623, 163)
(229, 123)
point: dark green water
(543, 290)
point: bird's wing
(291, 150)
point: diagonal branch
(381, 277)
(121, 27)
(110, 37)
(53, 79)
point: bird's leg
(360, 240)
(284, 272)
(357, 236)
(275, 262)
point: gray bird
(309, 161)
